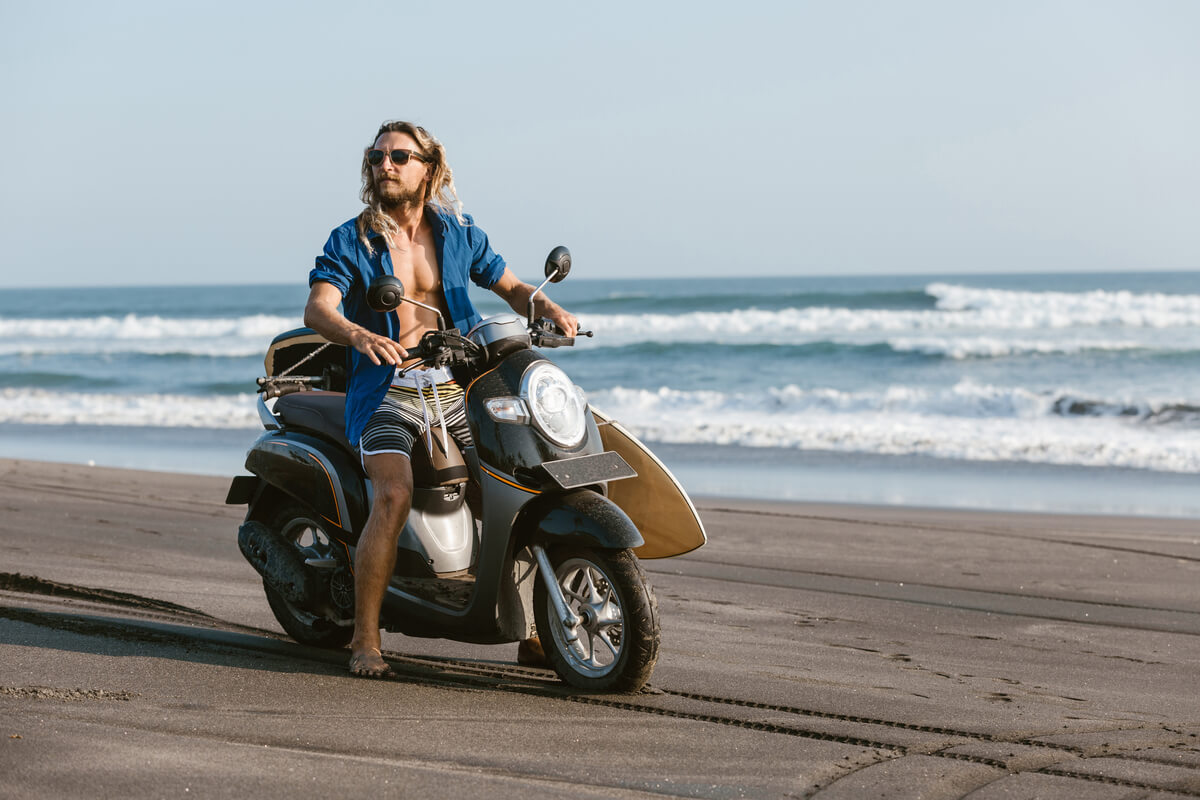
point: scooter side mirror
(558, 264)
(385, 293)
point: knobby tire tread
(640, 626)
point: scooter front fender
(578, 517)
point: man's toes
(369, 665)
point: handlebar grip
(543, 339)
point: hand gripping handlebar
(445, 348)
(545, 333)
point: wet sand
(808, 651)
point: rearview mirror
(558, 264)
(385, 293)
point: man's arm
(516, 293)
(322, 315)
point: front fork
(570, 620)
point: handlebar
(443, 348)
(279, 385)
(437, 348)
(545, 333)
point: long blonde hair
(439, 190)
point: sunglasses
(399, 157)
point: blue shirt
(462, 252)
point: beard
(393, 194)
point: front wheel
(615, 645)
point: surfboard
(654, 500)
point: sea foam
(40, 407)
(968, 421)
(150, 335)
(965, 323)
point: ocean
(1045, 392)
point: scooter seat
(319, 412)
(324, 413)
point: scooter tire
(287, 519)
(306, 628)
(614, 652)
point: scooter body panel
(316, 473)
(442, 535)
(578, 517)
(500, 608)
(515, 450)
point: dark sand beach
(808, 651)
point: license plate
(570, 473)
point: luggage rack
(302, 360)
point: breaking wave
(963, 322)
(41, 407)
(968, 421)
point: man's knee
(391, 486)
(392, 498)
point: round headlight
(558, 408)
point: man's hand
(516, 293)
(557, 314)
(322, 315)
(378, 348)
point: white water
(1029, 412)
(970, 422)
(967, 323)
(41, 407)
(150, 335)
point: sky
(181, 143)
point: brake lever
(449, 348)
(424, 362)
(546, 333)
(419, 351)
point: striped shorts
(401, 419)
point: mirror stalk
(549, 278)
(441, 322)
(386, 293)
(558, 264)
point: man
(413, 228)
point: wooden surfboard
(654, 500)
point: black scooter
(542, 550)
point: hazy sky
(212, 142)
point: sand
(808, 650)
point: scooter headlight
(558, 407)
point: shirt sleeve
(333, 265)
(486, 265)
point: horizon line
(591, 279)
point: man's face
(397, 185)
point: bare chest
(417, 268)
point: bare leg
(375, 557)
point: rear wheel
(615, 645)
(300, 528)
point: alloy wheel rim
(591, 596)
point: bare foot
(531, 654)
(370, 664)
